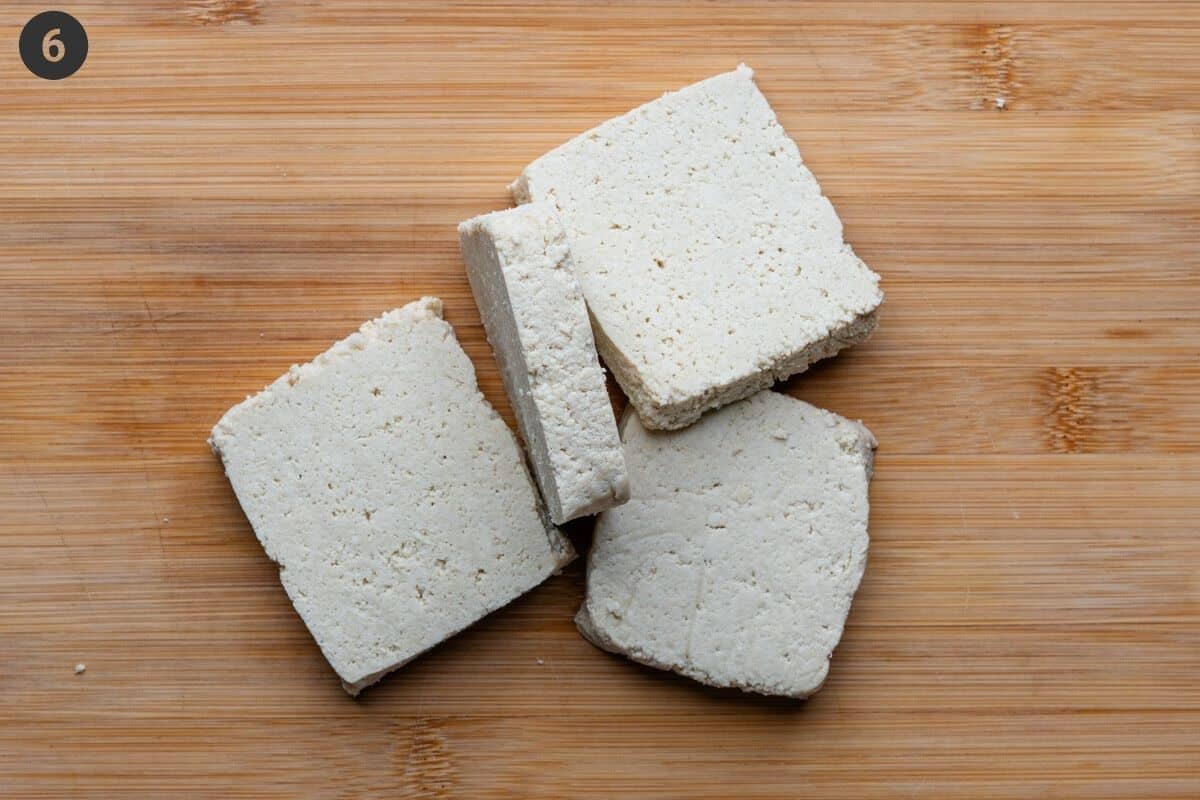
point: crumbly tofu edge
(659, 414)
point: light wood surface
(227, 186)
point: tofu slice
(390, 493)
(520, 271)
(710, 261)
(737, 558)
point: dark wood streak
(1071, 394)
(223, 12)
(426, 760)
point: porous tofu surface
(710, 261)
(520, 272)
(390, 493)
(737, 557)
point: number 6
(53, 49)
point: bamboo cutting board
(227, 186)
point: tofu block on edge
(390, 493)
(710, 261)
(519, 268)
(737, 558)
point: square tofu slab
(710, 261)
(736, 559)
(519, 267)
(392, 496)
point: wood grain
(227, 186)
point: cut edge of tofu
(505, 339)
(865, 445)
(659, 414)
(418, 310)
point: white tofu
(519, 267)
(392, 496)
(737, 558)
(710, 261)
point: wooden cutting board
(227, 186)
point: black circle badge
(53, 45)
